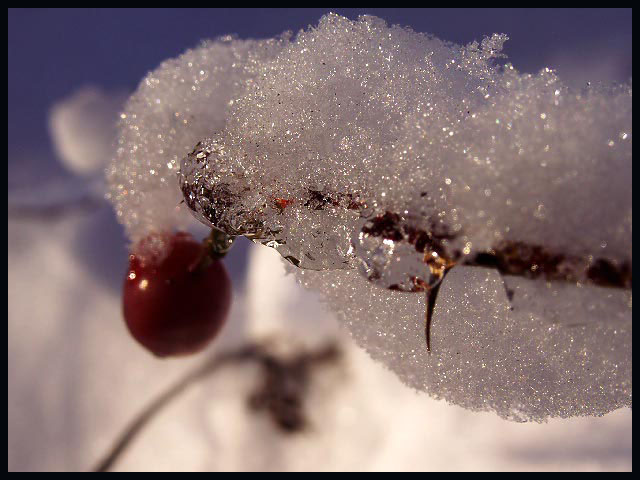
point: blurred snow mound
(83, 129)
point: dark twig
(140, 420)
(281, 393)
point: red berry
(177, 304)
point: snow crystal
(485, 355)
(174, 107)
(375, 159)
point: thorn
(508, 291)
(432, 294)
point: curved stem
(147, 413)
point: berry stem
(216, 245)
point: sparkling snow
(296, 142)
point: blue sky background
(51, 53)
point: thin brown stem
(147, 413)
(280, 394)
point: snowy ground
(75, 378)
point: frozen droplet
(395, 254)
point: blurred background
(75, 377)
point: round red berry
(176, 304)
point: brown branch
(507, 257)
(147, 413)
(280, 394)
